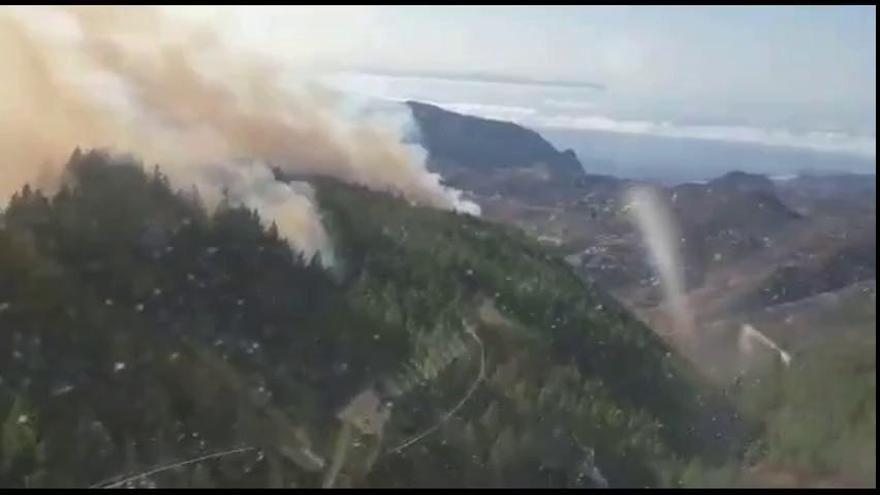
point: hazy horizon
(792, 77)
(801, 78)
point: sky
(798, 76)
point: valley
(794, 258)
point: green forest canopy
(137, 329)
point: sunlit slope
(137, 329)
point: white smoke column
(397, 118)
(131, 80)
(749, 334)
(660, 234)
(290, 205)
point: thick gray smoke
(661, 236)
(131, 80)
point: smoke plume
(130, 79)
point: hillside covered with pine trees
(138, 330)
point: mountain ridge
(487, 143)
(123, 345)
